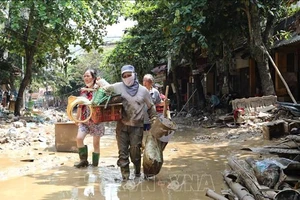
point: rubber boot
(125, 172)
(137, 169)
(95, 159)
(83, 156)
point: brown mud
(194, 160)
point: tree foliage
(183, 28)
(143, 45)
(72, 81)
(234, 22)
(36, 29)
(163, 29)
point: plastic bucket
(288, 194)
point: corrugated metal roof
(159, 68)
(294, 39)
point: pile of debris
(271, 178)
(19, 128)
(277, 176)
(275, 172)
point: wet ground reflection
(189, 168)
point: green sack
(99, 97)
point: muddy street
(193, 160)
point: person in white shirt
(155, 96)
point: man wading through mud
(129, 130)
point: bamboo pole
(248, 179)
(212, 194)
(166, 98)
(281, 77)
(240, 191)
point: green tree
(36, 28)
(228, 21)
(163, 28)
(72, 81)
(144, 44)
(181, 25)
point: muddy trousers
(129, 141)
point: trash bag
(267, 172)
(152, 157)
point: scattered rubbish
(27, 160)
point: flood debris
(3, 140)
(28, 128)
(212, 194)
(260, 112)
(274, 173)
(269, 177)
(288, 147)
(27, 160)
(239, 190)
(28, 141)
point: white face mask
(129, 80)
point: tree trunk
(257, 49)
(12, 81)
(199, 87)
(178, 100)
(198, 81)
(30, 46)
(25, 82)
(265, 75)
